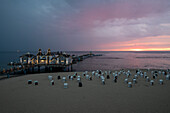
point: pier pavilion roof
(48, 52)
(39, 53)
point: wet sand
(16, 96)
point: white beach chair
(83, 74)
(126, 80)
(102, 74)
(116, 76)
(119, 73)
(103, 82)
(147, 79)
(129, 84)
(134, 81)
(152, 72)
(135, 76)
(105, 72)
(65, 85)
(127, 75)
(154, 76)
(68, 77)
(109, 72)
(145, 73)
(96, 74)
(163, 73)
(64, 79)
(167, 77)
(78, 79)
(52, 82)
(86, 72)
(115, 80)
(141, 75)
(138, 73)
(152, 82)
(71, 78)
(50, 77)
(102, 78)
(90, 78)
(29, 81)
(93, 73)
(145, 76)
(36, 82)
(87, 77)
(161, 81)
(97, 71)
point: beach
(17, 96)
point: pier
(44, 63)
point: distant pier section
(44, 62)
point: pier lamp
(58, 61)
(47, 61)
(42, 61)
(21, 59)
(67, 61)
(62, 61)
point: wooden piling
(68, 69)
(49, 69)
(28, 69)
(46, 69)
(32, 69)
(39, 68)
(71, 68)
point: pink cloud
(145, 44)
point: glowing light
(136, 49)
(42, 61)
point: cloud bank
(82, 25)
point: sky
(85, 25)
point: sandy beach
(17, 96)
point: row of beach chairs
(106, 75)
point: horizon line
(87, 51)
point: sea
(110, 60)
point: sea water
(109, 60)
